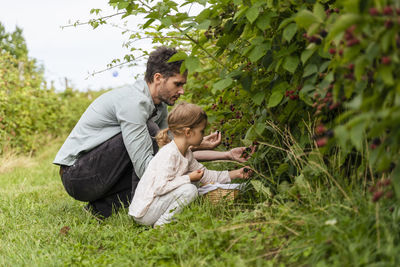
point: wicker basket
(219, 194)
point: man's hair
(158, 63)
(184, 115)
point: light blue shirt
(125, 110)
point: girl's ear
(187, 131)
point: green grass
(322, 229)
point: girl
(166, 185)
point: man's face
(171, 89)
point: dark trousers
(104, 176)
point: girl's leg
(163, 208)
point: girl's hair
(184, 115)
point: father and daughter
(169, 182)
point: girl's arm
(209, 176)
(166, 176)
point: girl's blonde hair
(184, 115)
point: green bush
(322, 72)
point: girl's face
(196, 134)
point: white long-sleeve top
(168, 170)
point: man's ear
(157, 77)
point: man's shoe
(93, 212)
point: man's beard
(164, 98)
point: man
(111, 145)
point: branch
(88, 22)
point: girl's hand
(196, 175)
(243, 173)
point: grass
(40, 225)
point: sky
(73, 52)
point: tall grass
(40, 225)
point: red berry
(377, 196)
(291, 92)
(320, 129)
(329, 94)
(332, 51)
(287, 93)
(336, 10)
(387, 10)
(386, 60)
(373, 11)
(398, 11)
(322, 142)
(373, 146)
(341, 52)
(351, 66)
(353, 42)
(328, 12)
(294, 97)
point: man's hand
(210, 141)
(241, 154)
(196, 175)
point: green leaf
(263, 22)
(310, 69)
(258, 98)
(289, 31)
(192, 63)
(147, 24)
(258, 52)
(290, 64)
(385, 72)
(177, 57)
(306, 54)
(275, 99)
(204, 24)
(319, 11)
(222, 84)
(259, 128)
(260, 188)
(305, 18)
(284, 167)
(252, 13)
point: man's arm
(235, 154)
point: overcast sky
(72, 52)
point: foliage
(13, 43)
(323, 69)
(31, 113)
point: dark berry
(323, 33)
(388, 24)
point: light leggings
(163, 208)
